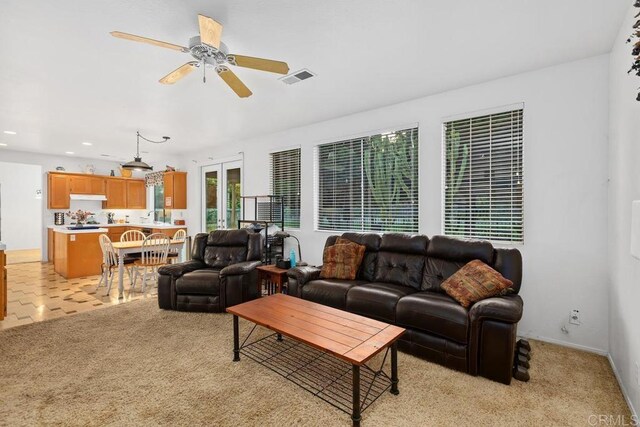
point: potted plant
(80, 216)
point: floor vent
(298, 76)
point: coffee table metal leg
(279, 337)
(394, 368)
(355, 414)
(236, 339)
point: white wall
(21, 205)
(624, 167)
(565, 122)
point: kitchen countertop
(131, 224)
(65, 230)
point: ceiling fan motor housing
(208, 54)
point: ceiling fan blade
(178, 73)
(234, 82)
(141, 39)
(259, 64)
(210, 31)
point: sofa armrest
(239, 268)
(304, 274)
(506, 309)
(177, 270)
(298, 277)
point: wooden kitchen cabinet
(58, 190)
(116, 194)
(3, 285)
(175, 190)
(50, 244)
(136, 195)
(115, 233)
(87, 184)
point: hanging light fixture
(137, 164)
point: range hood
(97, 197)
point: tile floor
(36, 293)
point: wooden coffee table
(349, 337)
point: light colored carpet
(134, 364)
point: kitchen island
(81, 256)
(77, 253)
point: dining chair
(110, 262)
(155, 249)
(179, 236)
(133, 236)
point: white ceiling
(65, 80)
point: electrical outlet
(574, 317)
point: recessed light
(87, 143)
(2, 144)
(69, 152)
(10, 132)
(104, 155)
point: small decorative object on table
(79, 216)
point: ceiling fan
(207, 49)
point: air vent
(298, 76)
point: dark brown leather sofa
(399, 282)
(221, 273)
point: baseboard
(567, 344)
(622, 387)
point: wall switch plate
(574, 317)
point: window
(483, 177)
(285, 181)
(368, 183)
(159, 213)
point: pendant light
(137, 164)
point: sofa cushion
(342, 260)
(434, 313)
(404, 243)
(199, 282)
(229, 237)
(372, 242)
(436, 271)
(400, 269)
(377, 300)
(331, 292)
(475, 282)
(451, 249)
(222, 256)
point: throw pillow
(474, 282)
(342, 261)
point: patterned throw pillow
(474, 282)
(342, 261)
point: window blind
(368, 183)
(483, 177)
(284, 175)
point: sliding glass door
(222, 188)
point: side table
(274, 278)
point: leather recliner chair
(399, 283)
(221, 273)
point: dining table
(135, 246)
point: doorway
(21, 211)
(222, 188)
